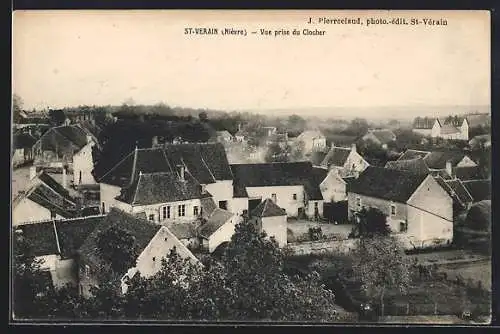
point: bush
(315, 233)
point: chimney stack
(89, 138)
(32, 172)
(449, 169)
(64, 178)
(239, 126)
(181, 170)
(353, 147)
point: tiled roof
(478, 119)
(349, 181)
(160, 188)
(216, 220)
(71, 234)
(468, 173)
(342, 139)
(142, 230)
(183, 230)
(317, 157)
(460, 190)
(267, 208)
(413, 154)
(310, 134)
(447, 129)
(417, 165)
(337, 156)
(479, 189)
(276, 174)
(438, 159)
(389, 184)
(205, 162)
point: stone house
(380, 137)
(313, 140)
(218, 228)
(419, 211)
(456, 128)
(22, 150)
(168, 182)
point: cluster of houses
(188, 197)
(452, 127)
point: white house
(168, 182)
(334, 187)
(456, 128)
(44, 199)
(419, 211)
(347, 161)
(293, 186)
(272, 219)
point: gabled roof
(276, 174)
(479, 189)
(447, 129)
(438, 159)
(339, 139)
(389, 184)
(183, 230)
(317, 157)
(216, 220)
(63, 139)
(160, 188)
(468, 173)
(348, 182)
(206, 162)
(337, 156)
(310, 134)
(417, 166)
(384, 136)
(142, 230)
(478, 119)
(267, 208)
(223, 133)
(46, 192)
(410, 154)
(70, 234)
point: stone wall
(319, 247)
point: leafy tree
(117, 247)
(381, 265)
(296, 124)
(479, 217)
(372, 222)
(275, 153)
(57, 116)
(29, 280)
(17, 105)
(203, 117)
(357, 127)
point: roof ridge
(135, 188)
(46, 200)
(208, 168)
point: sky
(98, 58)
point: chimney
(32, 172)
(353, 147)
(154, 141)
(239, 126)
(180, 170)
(134, 163)
(64, 178)
(449, 169)
(89, 138)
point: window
(195, 210)
(87, 271)
(393, 210)
(181, 210)
(273, 196)
(294, 196)
(358, 202)
(223, 205)
(165, 212)
(403, 227)
(152, 217)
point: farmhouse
(294, 186)
(272, 219)
(217, 229)
(419, 211)
(456, 128)
(347, 161)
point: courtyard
(299, 227)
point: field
(475, 271)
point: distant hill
(375, 113)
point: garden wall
(319, 247)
